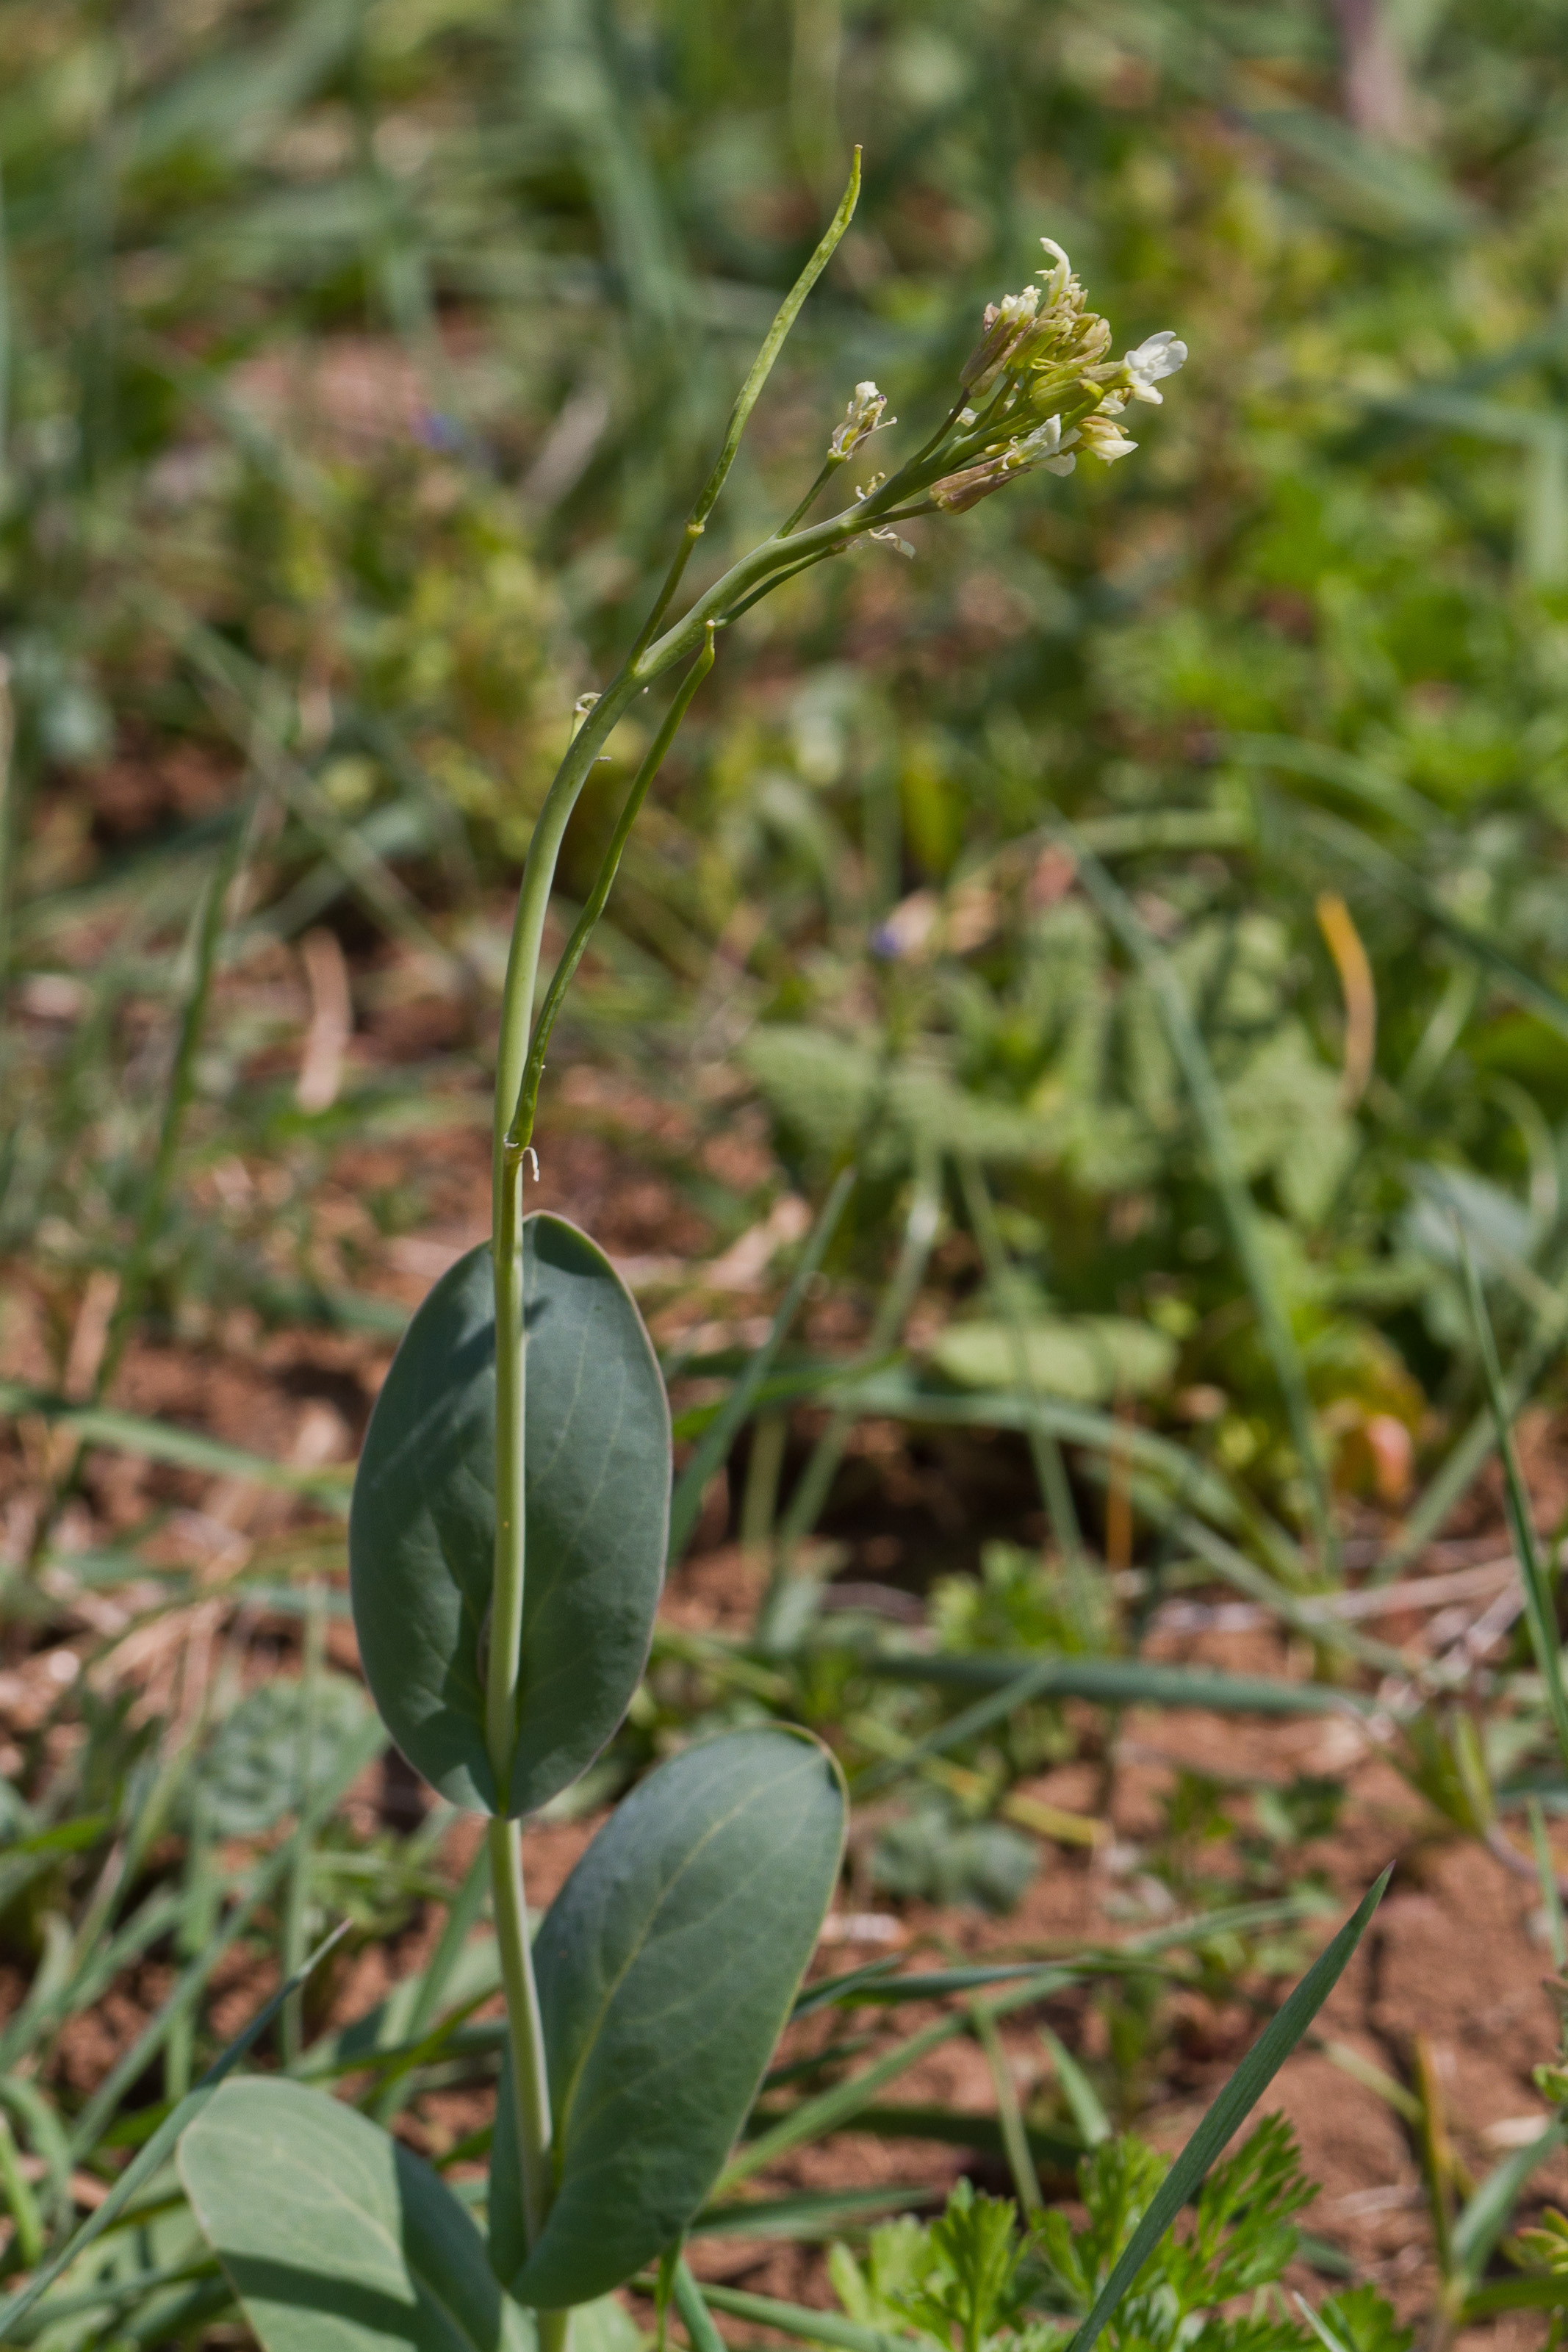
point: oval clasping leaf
(422, 1528)
(335, 2237)
(667, 1966)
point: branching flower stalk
(1036, 392)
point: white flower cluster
(1039, 387)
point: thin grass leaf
(1550, 1892)
(1434, 2151)
(1235, 2103)
(1326, 2335)
(1539, 2290)
(1371, 2077)
(43, 2126)
(1091, 2118)
(1466, 1460)
(1124, 1682)
(1235, 1193)
(715, 1444)
(1540, 1602)
(900, 1396)
(705, 2336)
(206, 931)
(26, 2220)
(814, 2213)
(1009, 2114)
(965, 2128)
(105, 2296)
(246, 705)
(1374, 863)
(1485, 2215)
(967, 1724)
(799, 2319)
(188, 1987)
(805, 1503)
(1050, 1470)
(849, 1993)
(830, 2110)
(1326, 763)
(292, 1928)
(462, 1916)
(1320, 1625)
(152, 2157)
(183, 1449)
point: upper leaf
(422, 1530)
(666, 1966)
(334, 2236)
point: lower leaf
(666, 1968)
(335, 2237)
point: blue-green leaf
(667, 1967)
(422, 1530)
(334, 2236)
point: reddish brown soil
(1454, 1956)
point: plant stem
(530, 2085)
(521, 1129)
(530, 2078)
(519, 1061)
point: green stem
(529, 2083)
(519, 1063)
(532, 903)
(521, 1128)
(530, 2078)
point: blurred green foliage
(359, 354)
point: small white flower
(1047, 446)
(1158, 356)
(861, 418)
(1058, 279)
(1104, 439)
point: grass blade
(1235, 1193)
(1088, 2114)
(206, 933)
(1235, 2103)
(830, 2110)
(1009, 2114)
(805, 1505)
(1485, 2216)
(799, 2319)
(1050, 1470)
(1124, 1682)
(1550, 1892)
(1540, 1602)
(721, 1430)
(705, 2336)
(189, 1986)
(185, 1449)
(966, 1725)
(814, 2213)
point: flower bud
(1103, 437)
(1002, 323)
(956, 493)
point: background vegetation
(1153, 892)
